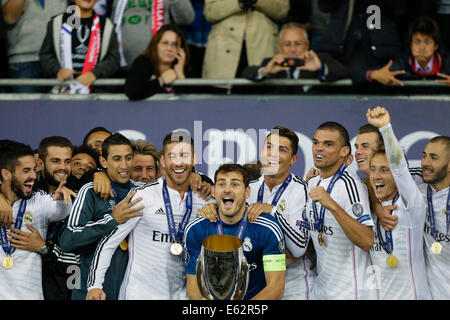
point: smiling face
(24, 177)
(144, 168)
(178, 161)
(381, 178)
(81, 163)
(230, 193)
(168, 47)
(435, 165)
(366, 145)
(57, 165)
(276, 156)
(118, 163)
(328, 151)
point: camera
(292, 63)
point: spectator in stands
(145, 161)
(164, 60)
(354, 38)
(423, 61)
(197, 36)
(294, 43)
(26, 20)
(95, 137)
(243, 33)
(134, 23)
(94, 37)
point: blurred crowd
(152, 43)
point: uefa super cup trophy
(222, 270)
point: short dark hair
(53, 141)
(116, 139)
(231, 167)
(10, 152)
(381, 152)
(343, 133)
(287, 133)
(88, 151)
(178, 136)
(427, 26)
(445, 140)
(96, 129)
(368, 128)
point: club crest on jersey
(112, 202)
(357, 209)
(281, 206)
(247, 244)
(28, 217)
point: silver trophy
(222, 270)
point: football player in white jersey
(397, 254)
(282, 194)
(20, 272)
(338, 215)
(435, 173)
(154, 238)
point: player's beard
(440, 175)
(50, 179)
(17, 188)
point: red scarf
(437, 62)
(157, 15)
(94, 46)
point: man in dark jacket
(362, 34)
(294, 43)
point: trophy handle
(241, 288)
(200, 280)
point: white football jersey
(343, 269)
(437, 264)
(24, 280)
(408, 280)
(153, 272)
(289, 208)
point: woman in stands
(163, 61)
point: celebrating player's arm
(361, 235)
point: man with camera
(295, 60)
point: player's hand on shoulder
(256, 209)
(124, 211)
(209, 212)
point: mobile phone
(292, 63)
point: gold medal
(176, 249)
(436, 247)
(321, 239)
(7, 262)
(124, 245)
(392, 261)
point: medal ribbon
(431, 212)
(318, 219)
(388, 246)
(6, 246)
(241, 228)
(277, 195)
(176, 236)
(114, 190)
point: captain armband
(274, 262)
